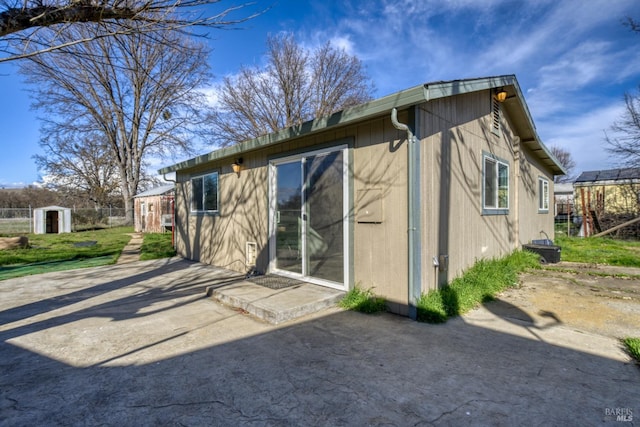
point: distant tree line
(35, 197)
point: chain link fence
(20, 220)
(16, 220)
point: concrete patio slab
(142, 344)
(276, 305)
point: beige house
(401, 203)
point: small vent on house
(495, 116)
(251, 254)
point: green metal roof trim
(383, 106)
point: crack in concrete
(454, 410)
(169, 405)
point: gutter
(173, 210)
(414, 203)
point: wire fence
(20, 220)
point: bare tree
(21, 21)
(624, 143)
(296, 85)
(134, 97)
(567, 162)
(81, 162)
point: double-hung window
(204, 193)
(495, 186)
(543, 195)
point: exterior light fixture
(500, 95)
(237, 166)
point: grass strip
(363, 300)
(633, 347)
(155, 246)
(481, 283)
(13, 271)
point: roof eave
(381, 106)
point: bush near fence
(20, 220)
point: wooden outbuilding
(153, 210)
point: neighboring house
(611, 191)
(360, 198)
(153, 210)
(563, 199)
(608, 197)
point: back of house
(400, 194)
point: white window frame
(192, 206)
(492, 161)
(543, 195)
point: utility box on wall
(51, 220)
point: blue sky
(573, 59)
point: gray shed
(51, 220)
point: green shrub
(633, 347)
(363, 300)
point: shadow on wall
(242, 218)
(460, 172)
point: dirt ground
(599, 299)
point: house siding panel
(380, 249)
(455, 132)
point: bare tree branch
(567, 162)
(295, 86)
(624, 142)
(20, 21)
(137, 98)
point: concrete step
(275, 305)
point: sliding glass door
(309, 216)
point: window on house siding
(495, 188)
(543, 195)
(204, 193)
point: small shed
(51, 220)
(153, 210)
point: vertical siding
(455, 132)
(380, 249)
(156, 206)
(533, 225)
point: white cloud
(583, 136)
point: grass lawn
(156, 245)
(599, 250)
(59, 252)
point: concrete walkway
(141, 344)
(270, 305)
(131, 251)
